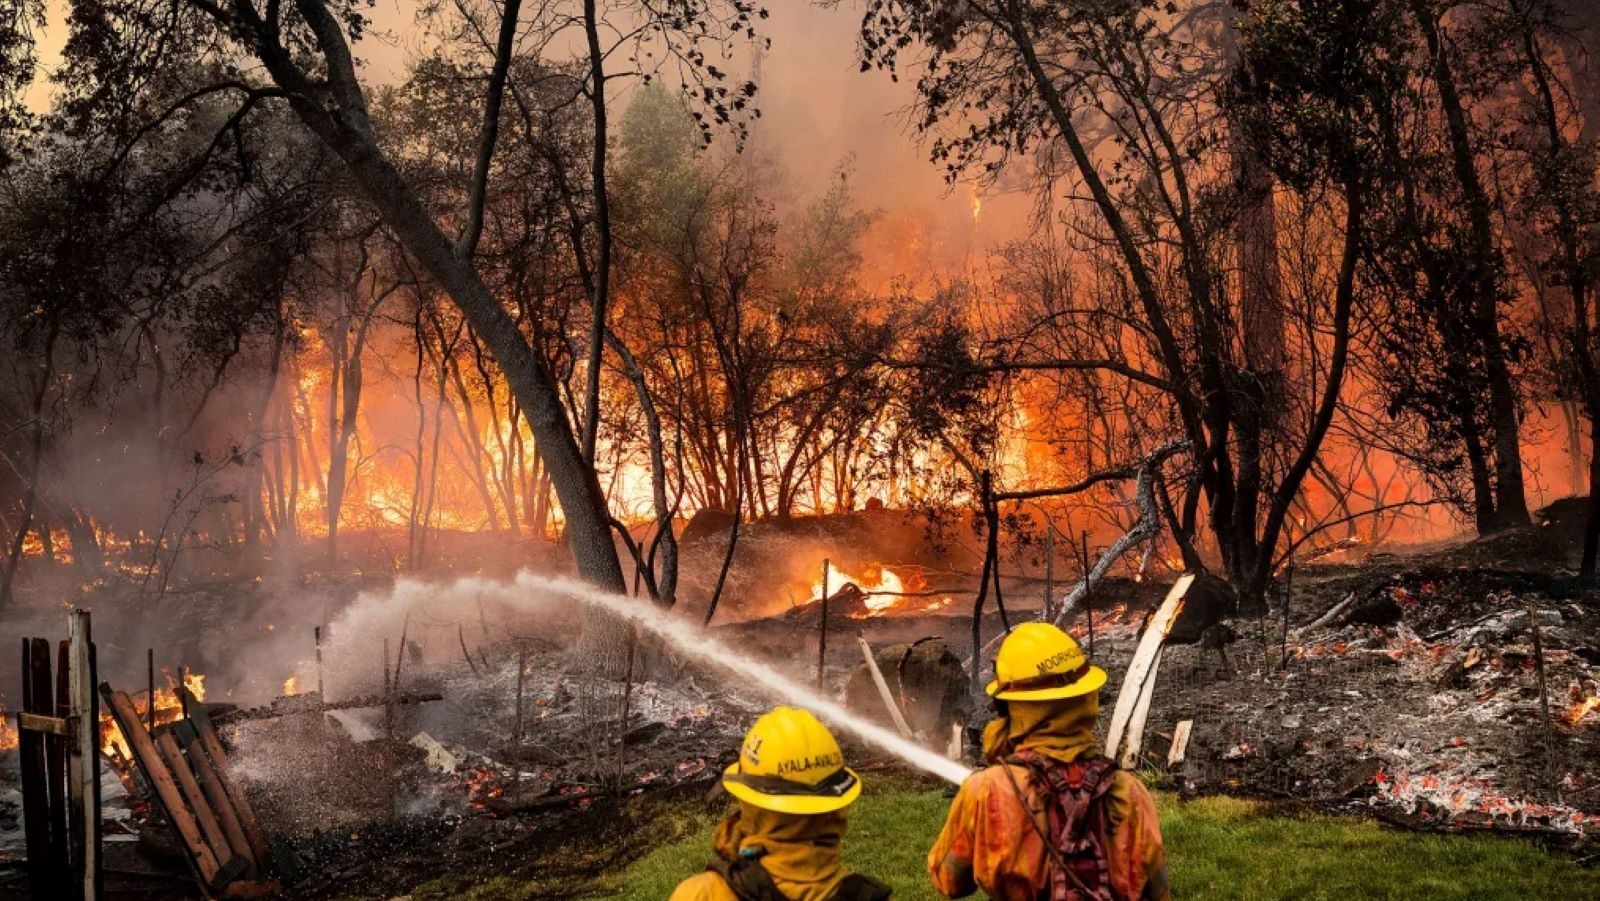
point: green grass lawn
(1217, 848)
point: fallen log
(1333, 614)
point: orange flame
(168, 708)
(874, 578)
(8, 731)
(1582, 709)
(483, 784)
(291, 686)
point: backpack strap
(1073, 796)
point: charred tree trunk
(1344, 305)
(665, 541)
(30, 493)
(600, 290)
(1511, 505)
(254, 505)
(87, 554)
(334, 108)
(1575, 273)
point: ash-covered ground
(1419, 703)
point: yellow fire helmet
(1039, 662)
(791, 763)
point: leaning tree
(141, 61)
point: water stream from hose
(694, 642)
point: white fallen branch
(884, 692)
(1333, 614)
(1133, 703)
(1144, 530)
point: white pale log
(1142, 667)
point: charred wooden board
(205, 738)
(212, 872)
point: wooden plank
(883, 690)
(44, 725)
(221, 804)
(83, 759)
(35, 777)
(210, 827)
(1144, 659)
(260, 847)
(1180, 743)
(161, 782)
(55, 752)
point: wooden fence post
(59, 736)
(83, 757)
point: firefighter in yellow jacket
(1051, 817)
(784, 841)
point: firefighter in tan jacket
(1051, 819)
(784, 841)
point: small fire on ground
(884, 591)
(167, 709)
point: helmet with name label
(791, 763)
(1039, 662)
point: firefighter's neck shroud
(1060, 730)
(800, 853)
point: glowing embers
(8, 731)
(1459, 799)
(1584, 708)
(483, 786)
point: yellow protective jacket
(802, 854)
(988, 841)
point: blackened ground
(1423, 708)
